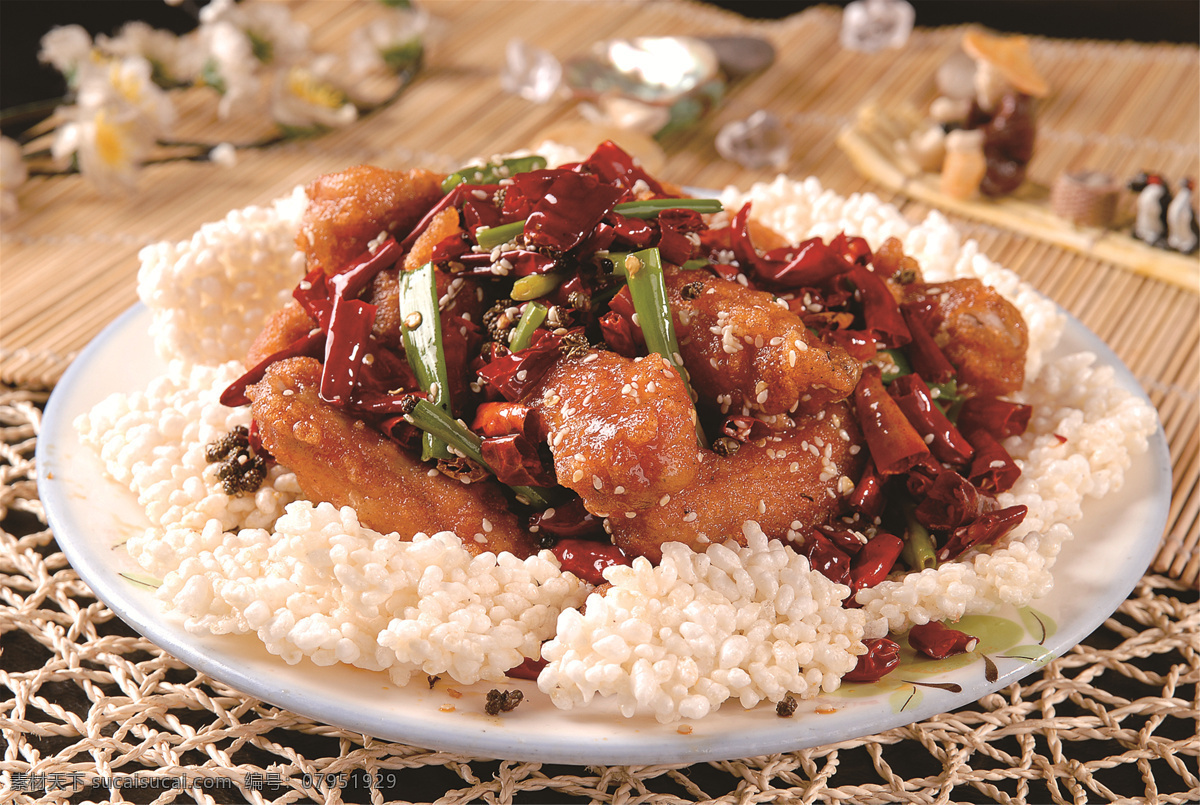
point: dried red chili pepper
(938, 641)
(311, 345)
(616, 167)
(1000, 418)
(881, 314)
(451, 199)
(515, 461)
(587, 559)
(861, 344)
(883, 654)
(350, 281)
(312, 293)
(868, 498)
(825, 557)
(852, 248)
(345, 349)
(993, 469)
(569, 520)
(620, 334)
(673, 243)
(502, 418)
(402, 432)
(811, 264)
(894, 443)
(529, 669)
(950, 502)
(847, 540)
(874, 561)
(923, 353)
(477, 212)
(512, 374)
(569, 210)
(916, 401)
(632, 233)
(984, 530)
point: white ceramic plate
(92, 516)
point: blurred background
(25, 82)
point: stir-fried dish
(588, 360)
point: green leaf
(400, 57)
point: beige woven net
(92, 712)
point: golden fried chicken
(981, 333)
(743, 348)
(339, 459)
(788, 481)
(621, 430)
(348, 209)
(283, 327)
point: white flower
(109, 145)
(166, 52)
(234, 69)
(388, 43)
(65, 47)
(224, 154)
(127, 86)
(13, 174)
(275, 38)
(304, 97)
(118, 115)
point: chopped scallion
(421, 332)
(531, 318)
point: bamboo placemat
(69, 266)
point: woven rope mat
(86, 701)
(1113, 720)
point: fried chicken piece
(981, 333)
(742, 348)
(442, 226)
(283, 327)
(621, 430)
(348, 209)
(339, 459)
(789, 481)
